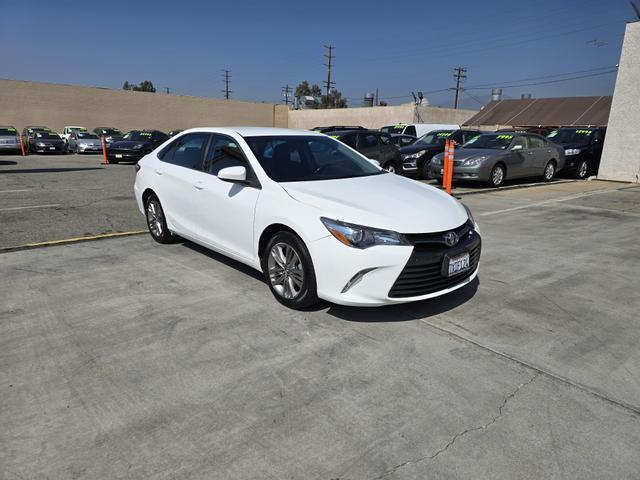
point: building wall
(376, 117)
(620, 157)
(53, 105)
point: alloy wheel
(582, 170)
(549, 171)
(391, 168)
(497, 176)
(155, 218)
(285, 270)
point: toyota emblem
(451, 239)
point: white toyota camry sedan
(316, 217)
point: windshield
(498, 141)
(87, 135)
(48, 135)
(7, 132)
(138, 136)
(77, 129)
(298, 158)
(571, 135)
(393, 128)
(437, 137)
(110, 131)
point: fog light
(356, 278)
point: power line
(226, 78)
(497, 84)
(460, 74)
(328, 83)
(550, 81)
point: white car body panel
(236, 215)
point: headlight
(436, 160)
(572, 151)
(358, 236)
(39, 144)
(472, 162)
(414, 155)
(471, 219)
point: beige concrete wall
(621, 153)
(30, 103)
(376, 117)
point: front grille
(422, 274)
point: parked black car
(44, 141)
(110, 134)
(336, 128)
(28, 133)
(582, 149)
(402, 140)
(134, 145)
(416, 157)
(374, 145)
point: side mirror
(375, 162)
(233, 174)
(515, 148)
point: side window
(367, 140)
(522, 141)
(185, 151)
(597, 136)
(223, 152)
(536, 142)
(385, 139)
(349, 140)
(410, 130)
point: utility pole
(328, 83)
(376, 101)
(286, 90)
(459, 75)
(226, 77)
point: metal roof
(533, 112)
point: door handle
(198, 186)
(159, 171)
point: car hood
(89, 141)
(128, 144)
(47, 140)
(466, 153)
(8, 137)
(384, 201)
(409, 149)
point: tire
(549, 171)
(393, 167)
(111, 161)
(582, 170)
(497, 176)
(288, 270)
(156, 221)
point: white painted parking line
(16, 191)
(546, 202)
(51, 205)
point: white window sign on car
(317, 218)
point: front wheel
(288, 270)
(392, 167)
(582, 170)
(497, 175)
(549, 171)
(156, 221)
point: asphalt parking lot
(122, 358)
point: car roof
(253, 131)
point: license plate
(442, 171)
(458, 264)
(52, 148)
(118, 155)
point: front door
(226, 210)
(521, 158)
(368, 146)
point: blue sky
(397, 47)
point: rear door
(176, 175)
(543, 153)
(368, 145)
(521, 159)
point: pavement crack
(464, 432)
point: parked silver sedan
(84, 142)
(494, 157)
(9, 139)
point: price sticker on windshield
(504, 137)
(584, 132)
(553, 134)
(445, 134)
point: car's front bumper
(5, 147)
(476, 173)
(125, 155)
(86, 148)
(58, 148)
(336, 265)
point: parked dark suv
(582, 149)
(416, 157)
(374, 145)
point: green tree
(333, 100)
(126, 86)
(145, 86)
(304, 90)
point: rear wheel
(288, 270)
(156, 221)
(582, 170)
(392, 167)
(497, 175)
(549, 171)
